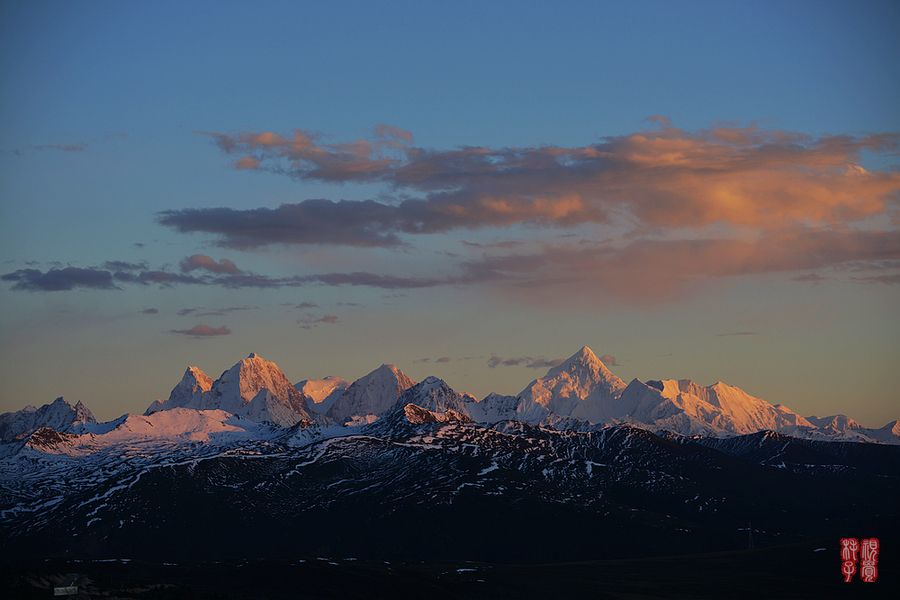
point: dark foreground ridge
(805, 570)
(448, 491)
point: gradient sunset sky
(472, 190)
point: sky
(472, 190)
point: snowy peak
(58, 415)
(434, 395)
(196, 380)
(583, 366)
(323, 392)
(243, 381)
(430, 401)
(834, 423)
(187, 393)
(578, 377)
(241, 385)
(254, 387)
(372, 394)
(582, 379)
(582, 362)
(83, 414)
(493, 408)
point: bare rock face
(46, 439)
(418, 415)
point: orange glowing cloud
(745, 176)
(202, 331)
(201, 261)
(247, 162)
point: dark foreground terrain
(803, 570)
(443, 492)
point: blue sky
(701, 190)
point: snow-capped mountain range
(249, 465)
(578, 394)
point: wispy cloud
(527, 361)
(882, 279)
(387, 282)
(361, 159)
(71, 278)
(59, 280)
(70, 147)
(310, 321)
(610, 361)
(813, 278)
(121, 265)
(75, 147)
(443, 359)
(531, 362)
(78, 147)
(160, 278)
(212, 312)
(203, 331)
(505, 244)
(201, 261)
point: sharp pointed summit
(583, 378)
(187, 393)
(583, 359)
